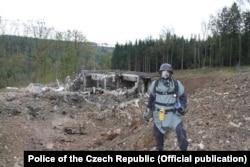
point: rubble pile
(218, 118)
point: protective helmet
(166, 67)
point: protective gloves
(178, 107)
(146, 114)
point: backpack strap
(156, 84)
(176, 87)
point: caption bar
(79, 158)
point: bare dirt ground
(218, 118)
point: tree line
(225, 41)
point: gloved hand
(178, 107)
(146, 114)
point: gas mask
(165, 75)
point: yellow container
(161, 115)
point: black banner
(121, 158)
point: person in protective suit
(167, 103)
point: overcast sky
(112, 21)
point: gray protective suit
(165, 98)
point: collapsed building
(105, 89)
(114, 82)
(93, 82)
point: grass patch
(225, 71)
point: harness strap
(164, 104)
(164, 93)
(166, 111)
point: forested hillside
(25, 59)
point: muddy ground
(218, 118)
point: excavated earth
(218, 119)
